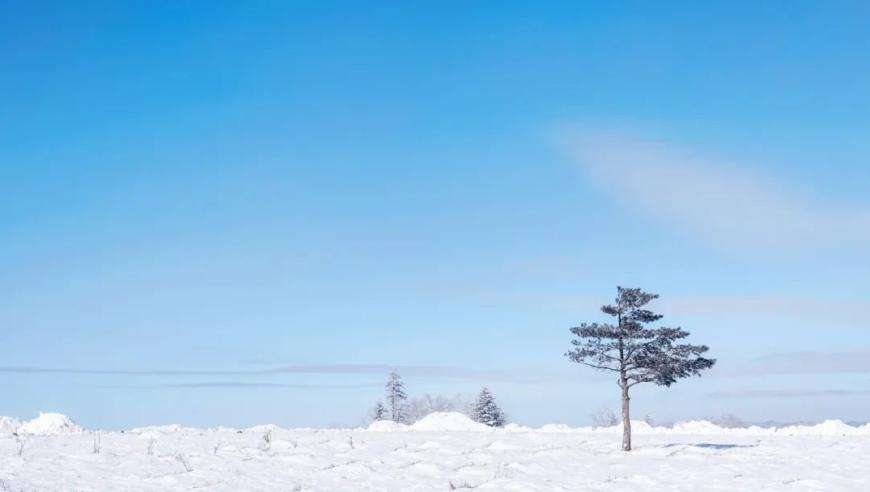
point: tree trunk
(626, 418)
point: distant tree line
(402, 409)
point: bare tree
(637, 354)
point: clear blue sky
(245, 212)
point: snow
(442, 452)
(386, 426)
(697, 427)
(448, 421)
(826, 428)
(160, 429)
(48, 424)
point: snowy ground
(442, 452)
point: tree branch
(604, 368)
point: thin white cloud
(856, 361)
(711, 199)
(786, 393)
(846, 312)
(427, 373)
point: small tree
(486, 411)
(396, 397)
(637, 354)
(379, 412)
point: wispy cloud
(123, 372)
(786, 393)
(713, 199)
(847, 313)
(856, 361)
(430, 373)
(246, 384)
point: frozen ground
(443, 452)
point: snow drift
(56, 423)
(386, 426)
(49, 423)
(448, 421)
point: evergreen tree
(379, 412)
(396, 397)
(636, 353)
(486, 411)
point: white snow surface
(440, 453)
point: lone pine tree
(486, 410)
(396, 397)
(636, 353)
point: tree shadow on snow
(710, 445)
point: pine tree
(379, 412)
(486, 411)
(396, 397)
(637, 354)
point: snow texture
(444, 452)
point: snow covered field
(441, 452)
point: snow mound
(448, 421)
(642, 427)
(159, 428)
(262, 428)
(698, 427)
(637, 426)
(50, 423)
(386, 426)
(826, 428)
(555, 428)
(517, 428)
(9, 425)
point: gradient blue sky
(246, 212)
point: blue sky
(235, 213)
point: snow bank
(50, 423)
(705, 427)
(637, 427)
(262, 428)
(555, 428)
(9, 425)
(448, 421)
(170, 428)
(517, 428)
(386, 426)
(698, 427)
(826, 428)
